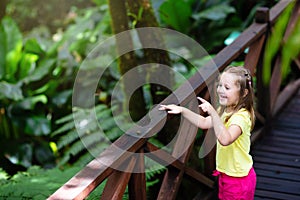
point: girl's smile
(228, 91)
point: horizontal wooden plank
(264, 194)
(283, 132)
(282, 141)
(277, 156)
(278, 168)
(278, 185)
(293, 148)
(274, 161)
(274, 149)
(283, 175)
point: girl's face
(228, 91)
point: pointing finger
(202, 100)
(162, 107)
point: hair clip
(248, 77)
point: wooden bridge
(277, 156)
(276, 137)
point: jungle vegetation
(42, 47)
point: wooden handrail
(135, 140)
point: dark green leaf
(176, 13)
(10, 91)
(30, 102)
(61, 98)
(38, 126)
(44, 155)
(42, 69)
(13, 35)
(215, 13)
(21, 154)
(32, 46)
(12, 46)
(2, 53)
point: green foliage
(81, 131)
(275, 45)
(22, 65)
(35, 183)
(290, 49)
(208, 22)
(215, 13)
(37, 75)
(178, 20)
(36, 78)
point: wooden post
(137, 182)
(262, 91)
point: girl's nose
(220, 89)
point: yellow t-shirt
(234, 159)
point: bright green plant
(22, 116)
(36, 80)
(35, 183)
(288, 49)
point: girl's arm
(194, 118)
(225, 136)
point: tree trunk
(155, 73)
(144, 17)
(120, 21)
(3, 4)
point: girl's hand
(206, 106)
(171, 109)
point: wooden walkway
(277, 156)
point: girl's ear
(246, 91)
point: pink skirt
(236, 188)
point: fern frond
(84, 159)
(66, 127)
(113, 133)
(91, 129)
(100, 107)
(67, 139)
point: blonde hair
(246, 100)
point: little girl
(232, 124)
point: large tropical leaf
(176, 13)
(11, 45)
(274, 43)
(215, 13)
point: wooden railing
(269, 99)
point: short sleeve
(241, 119)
